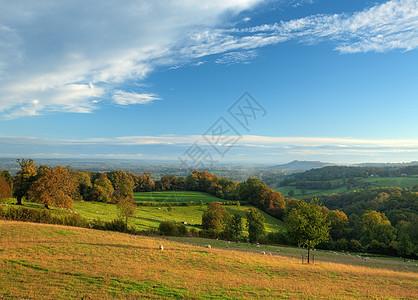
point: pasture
(41, 261)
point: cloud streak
(258, 148)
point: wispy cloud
(125, 98)
(384, 27)
(258, 148)
(236, 57)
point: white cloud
(70, 56)
(125, 98)
(52, 51)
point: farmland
(46, 261)
(147, 218)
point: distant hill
(383, 165)
(300, 166)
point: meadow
(41, 261)
(175, 196)
(149, 217)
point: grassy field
(175, 196)
(54, 262)
(403, 182)
(150, 217)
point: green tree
(307, 225)
(214, 216)
(126, 209)
(84, 183)
(256, 226)
(24, 178)
(122, 183)
(404, 246)
(338, 221)
(233, 227)
(102, 189)
(376, 226)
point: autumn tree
(255, 223)
(8, 178)
(307, 225)
(24, 178)
(55, 187)
(145, 184)
(4, 189)
(126, 209)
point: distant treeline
(333, 177)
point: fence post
(302, 258)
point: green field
(151, 217)
(148, 217)
(402, 182)
(175, 196)
(41, 261)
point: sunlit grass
(56, 262)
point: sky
(206, 82)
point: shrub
(168, 228)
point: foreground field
(55, 262)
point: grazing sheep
(161, 247)
(269, 253)
(226, 246)
(277, 250)
(263, 253)
(258, 246)
(208, 246)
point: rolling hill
(39, 261)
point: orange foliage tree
(4, 189)
(55, 187)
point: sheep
(258, 246)
(269, 253)
(277, 250)
(208, 246)
(263, 253)
(161, 247)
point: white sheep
(208, 246)
(161, 247)
(262, 252)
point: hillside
(55, 262)
(299, 166)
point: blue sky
(337, 79)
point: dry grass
(56, 262)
